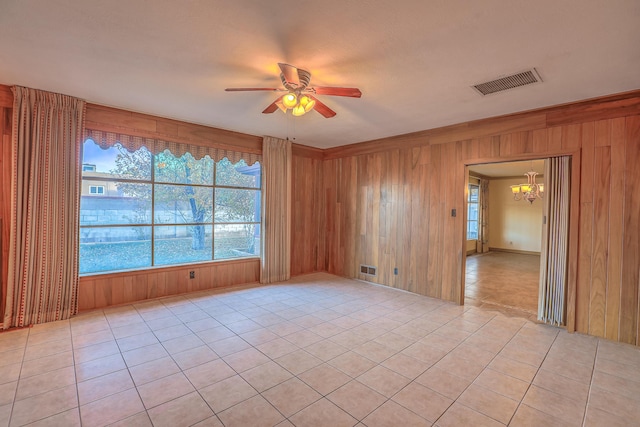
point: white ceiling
(508, 169)
(413, 60)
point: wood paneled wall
(307, 211)
(389, 204)
(126, 287)
(6, 116)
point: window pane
(114, 248)
(474, 192)
(238, 175)
(183, 170)
(472, 230)
(181, 244)
(472, 212)
(180, 204)
(115, 162)
(237, 240)
(237, 205)
(119, 203)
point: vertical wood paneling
(122, 288)
(631, 254)
(602, 170)
(583, 289)
(616, 230)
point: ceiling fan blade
(272, 107)
(322, 109)
(290, 73)
(247, 89)
(351, 92)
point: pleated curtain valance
(132, 143)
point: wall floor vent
(509, 82)
(367, 269)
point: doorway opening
(504, 239)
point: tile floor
(503, 281)
(315, 351)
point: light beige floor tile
(357, 399)
(153, 370)
(258, 336)
(103, 386)
(50, 335)
(568, 368)
(298, 361)
(597, 418)
(99, 367)
(111, 408)
(627, 407)
(348, 339)
(227, 393)
(9, 357)
(5, 414)
(10, 373)
(141, 419)
(144, 354)
(277, 348)
(93, 352)
(463, 368)
(513, 368)
(209, 373)
(246, 359)
(459, 415)
(136, 341)
(323, 413)
(374, 351)
(560, 384)
(423, 401)
(46, 364)
(44, 405)
(215, 334)
(554, 404)
(615, 384)
(303, 338)
(8, 392)
(256, 412)
(183, 411)
(487, 402)
(202, 324)
(194, 357)
(265, 376)
(325, 350)
(291, 396)
(227, 346)
(182, 343)
(164, 389)
(383, 380)
(391, 414)
(621, 370)
(30, 386)
(406, 366)
(503, 384)
(93, 338)
(352, 363)
(37, 351)
(70, 418)
(526, 416)
(212, 421)
(324, 378)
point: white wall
(513, 225)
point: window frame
(212, 222)
(469, 203)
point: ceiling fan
(300, 97)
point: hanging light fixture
(298, 104)
(529, 191)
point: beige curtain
(276, 210)
(553, 257)
(43, 250)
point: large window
(472, 212)
(140, 210)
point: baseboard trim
(513, 251)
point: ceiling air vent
(509, 82)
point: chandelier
(298, 104)
(529, 191)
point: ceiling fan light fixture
(307, 103)
(290, 100)
(298, 110)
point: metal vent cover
(509, 82)
(368, 269)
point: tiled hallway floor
(316, 351)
